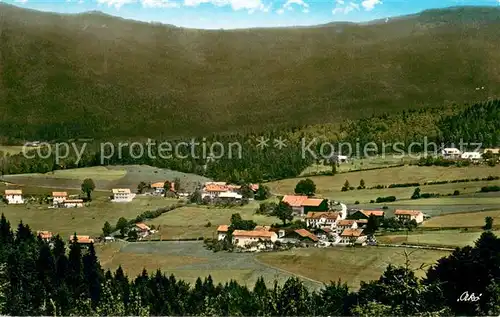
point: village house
(254, 187)
(122, 195)
(365, 214)
(58, 198)
(472, 156)
(493, 151)
(352, 236)
(295, 236)
(159, 189)
(408, 215)
(14, 196)
(346, 224)
(84, 240)
(301, 205)
(222, 231)
(321, 219)
(230, 195)
(142, 229)
(245, 238)
(361, 223)
(325, 233)
(44, 235)
(451, 153)
(73, 203)
(215, 189)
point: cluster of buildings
(475, 156)
(59, 199)
(324, 228)
(224, 191)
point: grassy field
(329, 185)
(470, 219)
(105, 177)
(351, 265)
(191, 221)
(356, 164)
(452, 238)
(87, 220)
(188, 261)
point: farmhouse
(229, 195)
(59, 198)
(159, 189)
(244, 238)
(222, 232)
(408, 215)
(81, 239)
(347, 224)
(451, 153)
(321, 219)
(73, 203)
(365, 214)
(216, 189)
(472, 156)
(493, 151)
(142, 229)
(352, 236)
(122, 195)
(303, 204)
(14, 196)
(295, 236)
(44, 235)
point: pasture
(331, 185)
(192, 221)
(469, 219)
(86, 220)
(189, 260)
(105, 177)
(451, 238)
(351, 265)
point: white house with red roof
(319, 219)
(303, 204)
(408, 215)
(14, 196)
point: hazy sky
(214, 14)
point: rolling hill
(95, 75)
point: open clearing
(351, 265)
(472, 219)
(404, 193)
(189, 260)
(357, 164)
(105, 177)
(331, 185)
(86, 220)
(191, 221)
(452, 238)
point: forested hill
(95, 75)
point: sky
(232, 14)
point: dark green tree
(88, 187)
(107, 229)
(488, 223)
(283, 212)
(305, 187)
(122, 225)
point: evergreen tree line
(242, 161)
(41, 278)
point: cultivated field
(356, 164)
(351, 265)
(192, 221)
(331, 185)
(472, 219)
(452, 238)
(86, 220)
(105, 177)
(188, 261)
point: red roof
(377, 213)
(142, 226)
(407, 212)
(322, 214)
(352, 232)
(254, 234)
(301, 201)
(223, 228)
(306, 234)
(44, 234)
(346, 222)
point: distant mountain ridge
(95, 75)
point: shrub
(456, 193)
(356, 202)
(488, 189)
(385, 199)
